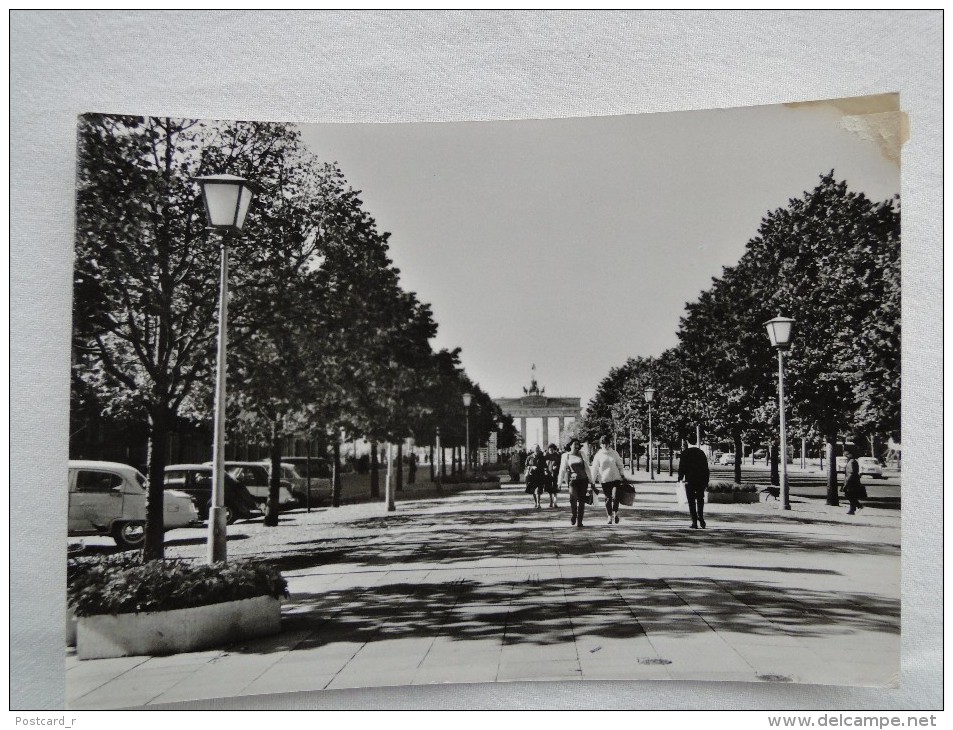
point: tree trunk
(775, 474)
(274, 478)
(375, 476)
(831, 439)
(154, 547)
(433, 472)
(400, 466)
(671, 457)
(443, 462)
(336, 474)
(739, 455)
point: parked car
(108, 498)
(759, 454)
(727, 460)
(256, 478)
(196, 480)
(320, 467)
(869, 466)
(320, 477)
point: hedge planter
(461, 486)
(181, 630)
(720, 493)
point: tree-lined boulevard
(287, 330)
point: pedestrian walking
(853, 489)
(553, 460)
(574, 471)
(536, 475)
(607, 469)
(693, 470)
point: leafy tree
(830, 260)
(143, 314)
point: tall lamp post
(779, 332)
(649, 394)
(467, 398)
(499, 434)
(226, 198)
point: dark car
(196, 481)
(256, 477)
(320, 468)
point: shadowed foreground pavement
(480, 587)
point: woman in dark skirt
(853, 489)
(553, 457)
(536, 475)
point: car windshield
(140, 477)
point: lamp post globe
(227, 199)
(779, 333)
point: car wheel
(129, 535)
(229, 515)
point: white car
(869, 466)
(108, 498)
(727, 460)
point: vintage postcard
(391, 404)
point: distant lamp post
(499, 437)
(467, 399)
(227, 199)
(779, 332)
(649, 394)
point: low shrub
(728, 487)
(472, 478)
(124, 584)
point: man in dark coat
(693, 470)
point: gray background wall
(360, 66)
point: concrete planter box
(181, 630)
(733, 497)
(473, 485)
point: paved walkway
(481, 587)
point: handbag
(626, 494)
(590, 496)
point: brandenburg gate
(535, 404)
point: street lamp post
(779, 332)
(649, 394)
(467, 398)
(226, 198)
(499, 434)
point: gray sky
(576, 243)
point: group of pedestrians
(548, 472)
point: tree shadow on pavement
(561, 610)
(471, 536)
(463, 595)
